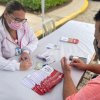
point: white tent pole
(43, 11)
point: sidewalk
(35, 21)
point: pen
(47, 64)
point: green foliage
(4, 1)
(35, 5)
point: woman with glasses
(16, 38)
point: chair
(48, 26)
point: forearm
(9, 65)
(31, 46)
(33, 41)
(68, 87)
(93, 68)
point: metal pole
(43, 11)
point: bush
(4, 1)
(35, 5)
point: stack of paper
(43, 80)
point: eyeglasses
(18, 20)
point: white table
(11, 87)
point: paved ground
(88, 15)
(66, 10)
(36, 21)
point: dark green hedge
(35, 5)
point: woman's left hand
(25, 56)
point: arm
(11, 64)
(82, 66)
(68, 86)
(7, 64)
(33, 41)
(32, 44)
(14, 65)
(70, 92)
(93, 68)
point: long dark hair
(11, 7)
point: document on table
(43, 80)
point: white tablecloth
(11, 87)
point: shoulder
(27, 28)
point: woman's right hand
(26, 64)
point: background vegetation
(35, 5)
